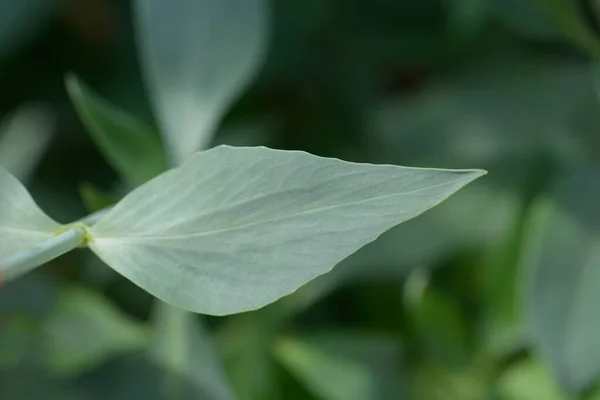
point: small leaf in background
(131, 146)
(22, 224)
(85, 330)
(245, 343)
(528, 380)
(182, 347)
(439, 322)
(198, 55)
(235, 229)
(17, 335)
(96, 199)
(24, 138)
(25, 383)
(502, 327)
(562, 276)
(344, 365)
(577, 19)
(432, 382)
(527, 18)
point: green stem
(26, 261)
(94, 217)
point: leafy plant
(489, 295)
(231, 229)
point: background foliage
(492, 295)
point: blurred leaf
(528, 380)
(35, 295)
(20, 21)
(502, 113)
(84, 330)
(252, 219)
(135, 376)
(198, 55)
(439, 323)
(432, 382)
(24, 304)
(344, 366)
(95, 199)
(562, 264)
(577, 20)
(502, 323)
(17, 334)
(131, 146)
(183, 347)
(525, 17)
(24, 138)
(245, 343)
(247, 133)
(27, 383)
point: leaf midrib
(312, 211)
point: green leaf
(22, 224)
(439, 323)
(502, 325)
(84, 330)
(183, 347)
(528, 380)
(131, 146)
(235, 229)
(245, 343)
(344, 366)
(198, 55)
(562, 271)
(577, 21)
(24, 138)
(95, 199)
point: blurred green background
(492, 295)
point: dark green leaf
(131, 146)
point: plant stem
(26, 261)
(94, 217)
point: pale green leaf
(22, 224)
(85, 330)
(184, 348)
(95, 199)
(24, 138)
(234, 229)
(562, 265)
(197, 55)
(344, 366)
(131, 146)
(528, 380)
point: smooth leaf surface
(562, 265)
(197, 56)
(24, 138)
(131, 146)
(183, 347)
(528, 380)
(22, 224)
(344, 366)
(85, 330)
(234, 229)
